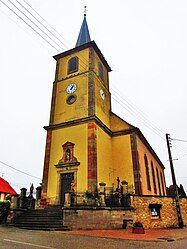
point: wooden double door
(66, 180)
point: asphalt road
(14, 238)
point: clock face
(71, 88)
(102, 94)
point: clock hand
(71, 87)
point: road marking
(29, 244)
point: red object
(6, 188)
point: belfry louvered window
(101, 73)
(73, 65)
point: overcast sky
(144, 42)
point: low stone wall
(183, 204)
(96, 218)
(117, 218)
(168, 215)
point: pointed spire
(84, 35)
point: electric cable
(19, 170)
(149, 124)
(47, 23)
(29, 25)
(35, 24)
(41, 23)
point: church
(87, 145)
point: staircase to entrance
(50, 218)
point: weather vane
(85, 10)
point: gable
(118, 124)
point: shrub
(4, 209)
(88, 195)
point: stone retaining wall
(112, 218)
(96, 218)
(168, 215)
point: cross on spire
(84, 36)
(85, 10)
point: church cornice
(78, 122)
(84, 46)
(124, 132)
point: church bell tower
(80, 103)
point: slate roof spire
(84, 35)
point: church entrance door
(66, 180)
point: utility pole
(181, 224)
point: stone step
(41, 216)
(22, 218)
(43, 227)
(43, 212)
(39, 222)
(43, 219)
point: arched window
(73, 65)
(147, 173)
(101, 72)
(162, 181)
(158, 179)
(153, 176)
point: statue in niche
(68, 155)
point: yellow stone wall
(142, 149)
(64, 112)
(96, 70)
(104, 158)
(77, 135)
(102, 108)
(117, 124)
(83, 56)
(122, 159)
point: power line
(26, 31)
(28, 25)
(47, 23)
(180, 140)
(138, 114)
(51, 33)
(19, 170)
(141, 117)
(176, 145)
(137, 110)
(145, 123)
(41, 24)
(34, 24)
(129, 106)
